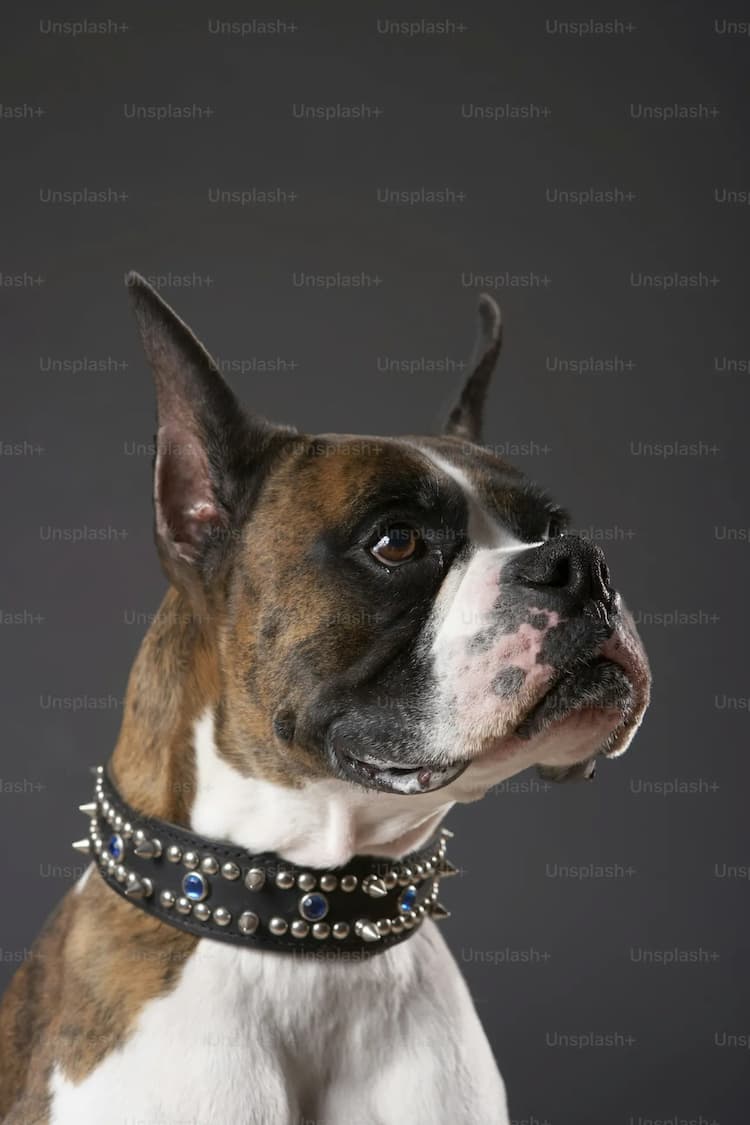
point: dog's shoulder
(92, 969)
(26, 1012)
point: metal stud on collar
(367, 930)
(401, 894)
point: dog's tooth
(82, 846)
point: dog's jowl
(359, 632)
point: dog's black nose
(571, 571)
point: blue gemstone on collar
(194, 886)
(406, 899)
(313, 907)
(115, 846)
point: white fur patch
(255, 1037)
(248, 1036)
(465, 708)
(483, 529)
(323, 823)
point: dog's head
(401, 613)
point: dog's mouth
(376, 773)
(600, 696)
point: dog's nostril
(569, 569)
(559, 574)
(556, 573)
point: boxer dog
(359, 633)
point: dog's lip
(374, 772)
(535, 720)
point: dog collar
(211, 889)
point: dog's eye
(398, 545)
(554, 528)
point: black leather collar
(215, 890)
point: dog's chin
(585, 714)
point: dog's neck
(166, 764)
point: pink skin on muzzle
(488, 688)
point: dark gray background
(545, 955)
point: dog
(359, 632)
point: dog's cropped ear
(465, 419)
(206, 446)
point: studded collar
(212, 889)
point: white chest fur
(249, 1037)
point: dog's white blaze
(463, 704)
(483, 530)
(470, 589)
(247, 1036)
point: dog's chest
(258, 1037)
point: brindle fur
(248, 628)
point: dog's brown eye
(397, 545)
